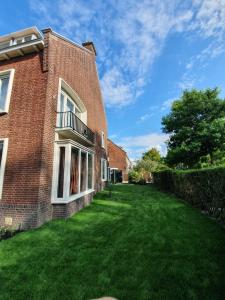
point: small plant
(6, 232)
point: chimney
(90, 46)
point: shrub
(6, 233)
(134, 176)
(204, 188)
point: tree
(152, 154)
(196, 125)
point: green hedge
(203, 188)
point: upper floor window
(67, 104)
(103, 139)
(6, 80)
(70, 107)
(17, 41)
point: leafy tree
(196, 125)
(152, 154)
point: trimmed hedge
(204, 188)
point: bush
(6, 233)
(134, 176)
(204, 188)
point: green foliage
(153, 154)
(203, 188)
(196, 125)
(6, 232)
(142, 172)
(134, 176)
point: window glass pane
(4, 45)
(4, 82)
(74, 171)
(61, 172)
(90, 171)
(61, 102)
(70, 106)
(104, 169)
(19, 41)
(83, 172)
(28, 38)
(1, 150)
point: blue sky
(148, 53)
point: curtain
(74, 171)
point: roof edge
(49, 30)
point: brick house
(119, 163)
(53, 129)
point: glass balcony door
(68, 108)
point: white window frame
(103, 139)
(3, 163)
(11, 73)
(67, 89)
(14, 42)
(66, 196)
(104, 165)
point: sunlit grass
(138, 244)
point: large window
(90, 170)
(3, 153)
(104, 169)
(6, 79)
(61, 172)
(74, 172)
(83, 171)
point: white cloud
(210, 18)
(136, 145)
(137, 31)
(130, 35)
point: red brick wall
(77, 67)
(117, 158)
(23, 126)
(30, 126)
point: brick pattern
(118, 159)
(66, 210)
(30, 127)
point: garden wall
(203, 188)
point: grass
(141, 244)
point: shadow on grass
(139, 244)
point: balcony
(70, 126)
(21, 43)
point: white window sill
(72, 198)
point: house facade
(119, 163)
(53, 128)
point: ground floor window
(90, 171)
(104, 169)
(74, 169)
(83, 171)
(3, 154)
(61, 172)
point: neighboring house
(53, 130)
(119, 163)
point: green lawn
(140, 244)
